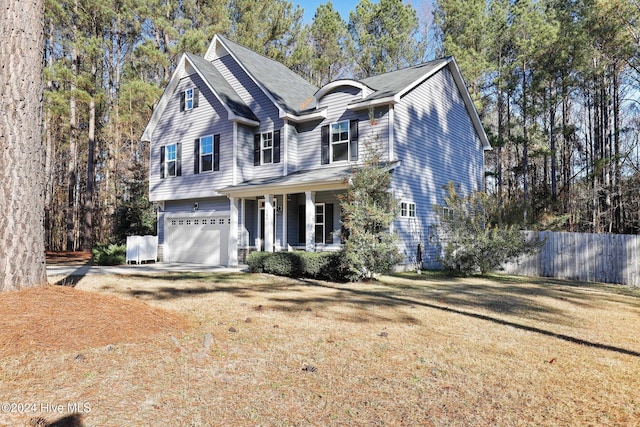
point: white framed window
(320, 224)
(339, 141)
(266, 147)
(206, 153)
(446, 213)
(407, 209)
(188, 99)
(171, 157)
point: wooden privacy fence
(608, 258)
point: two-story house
(247, 155)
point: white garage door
(199, 240)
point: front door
(261, 222)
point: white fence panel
(608, 258)
(142, 248)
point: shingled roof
(392, 83)
(292, 92)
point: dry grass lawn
(408, 350)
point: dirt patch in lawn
(68, 257)
(61, 318)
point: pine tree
(384, 37)
(22, 258)
(368, 210)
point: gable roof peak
(286, 89)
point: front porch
(300, 211)
(308, 221)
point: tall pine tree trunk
(88, 204)
(22, 258)
(73, 151)
(525, 145)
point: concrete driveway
(151, 268)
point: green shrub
(255, 260)
(473, 238)
(109, 254)
(312, 265)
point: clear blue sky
(342, 6)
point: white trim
(263, 148)
(243, 222)
(408, 209)
(186, 106)
(320, 114)
(198, 214)
(310, 220)
(391, 133)
(422, 78)
(285, 236)
(468, 102)
(347, 141)
(373, 103)
(269, 226)
(243, 120)
(284, 147)
(316, 223)
(166, 160)
(234, 155)
(366, 91)
(301, 187)
(200, 153)
(232, 253)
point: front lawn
(407, 350)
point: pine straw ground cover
(261, 350)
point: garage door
(198, 240)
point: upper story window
(339, 142)
(207, 154)
(266, 148)
(170, 160)
(407, 209)
(189, 99)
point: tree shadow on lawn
(404, 300)
(502, 296)
(238, 284)
(578, 293)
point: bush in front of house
(473, 237)
(109, 254)
(311, 265)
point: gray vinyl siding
(309, 139)
(436, 143)
(266, 111)
(245, 153)
(292, 148)
(176, 126)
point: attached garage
(200, 240)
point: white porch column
(285, 244)
(233, 231)
(243, 212)
(310, 216)
(268, 223)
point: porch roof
(328, 178)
